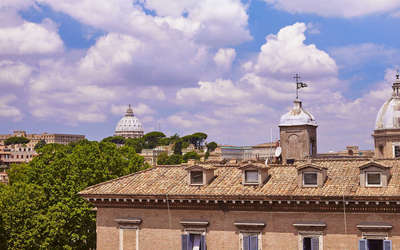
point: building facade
(129, 126)
(20, 153)
(302, 202)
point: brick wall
(162, 230)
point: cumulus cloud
(224, 58)
(207, 21)
(14, 73)
(152, 93)
(358, 54)
(338, 8)
(8, 110)
(286, 52)
(220, 91)
(29, 38)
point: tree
(198, 139)
(178, 147)
(39, 145)
(211, 146)
(152, 139)
(115, 139)
(162, 158)
(16, 140)
(41, 209)
(191, 155)
(136, 143)
(174, 159)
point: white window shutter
(387, 245)
(362, 244)
(315, 243)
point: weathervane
(299, 85)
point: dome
(389, 114)
(129, 126)
(297, 116)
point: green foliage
(174, 159)
(191, 155)
(41, 209)
(211, 146)
(178, 147)
(152, 139)
(136, 143)
(39, 145)
(16, 140)
(164, 159)
(115, 139)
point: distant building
(20, 153)
(129, 126)
(242, 153)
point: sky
(222, 67)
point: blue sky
(223, 67)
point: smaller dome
(389, 114)
(129, 125)
(297, 116)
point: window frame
(310, 172)
(310, 234)
(373, 185)
(191, 179)
(243, 233)
(196, 231)
(251, 183)
(394, 150)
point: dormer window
(196, 177)
(251, 176)
(373, 174)
(373, 179)
(254, 173)
(310, 179)
(199, 175)
(311, 175)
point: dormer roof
(310, 165)
(373, 164)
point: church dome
(129, 126)
(389, 114)
(297, 116)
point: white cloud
(337, 8)
(7, 110)
(224, 58)
(14, 73)
(180, 121)
(206, 21)
(358, 54)
(220, 91)
(286, 53)
(29, 38)
(152, 93)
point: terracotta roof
(343, 179)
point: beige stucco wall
(161, 229)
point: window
(374, 244)
(311, 243)
(193, 241)
(310, 179)
(251, 176)
(249, 241)
(396, 151)
(196, 177)
(373, 179)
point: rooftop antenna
(299, 85)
